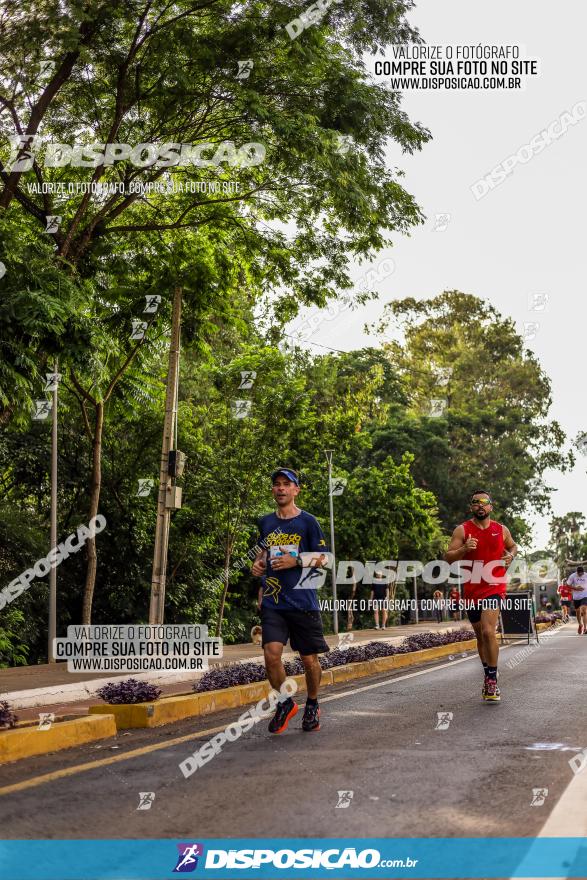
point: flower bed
(7, 716)
(129, 691)
(246, 673)
(548, 616)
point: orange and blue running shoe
(283, 713)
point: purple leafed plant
(246, 673)
(548, 616)
(420, 641)
(293, 667)
(7, 716)
(129, 691)
(228, 676)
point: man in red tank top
(490, 548)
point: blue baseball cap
(287, 473)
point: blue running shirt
(292, 588)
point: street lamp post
(53, 571)
(164, 502)
(328, 453)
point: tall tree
(156, 76)
(480, 398)
(211, 106)
(568, 539)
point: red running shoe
(492, 693)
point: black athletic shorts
(567, 602)
(489, 603)
(578, 602)
(302, 628)
(379, 597)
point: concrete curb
(70, 693)
(170, 709)
(25, 742)
(105, 720)
(58, 694)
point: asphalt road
(379, 740)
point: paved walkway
(31, 678)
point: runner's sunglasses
(482, 501)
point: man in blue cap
(295, 551)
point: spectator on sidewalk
(380, 598)
(454, 598)
(438, 597)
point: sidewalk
(51, 688)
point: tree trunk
(350, 615)
(94, 503)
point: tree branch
(123, 367)
(62, 74)
(82, 390)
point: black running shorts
(379, 594)
(302, 628)
(578, 602)
(490, 603)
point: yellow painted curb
(25, 742)
(170, 709)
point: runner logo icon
(539, 795)
(187, 859)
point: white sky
(526, 236)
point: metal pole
(157, 604)
(328, 453)
(53, 540)
(416, 598)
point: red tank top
(490, 548)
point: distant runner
(483, 540)
(578, 584)
(566, 597)
(289, 603)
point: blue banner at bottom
(288, 858)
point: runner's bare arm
(458, 546)
(260, 564)
(510, 546)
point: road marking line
(114, 759)
(569, 810)
(370, 687)
(567, 818)
(145, 750)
